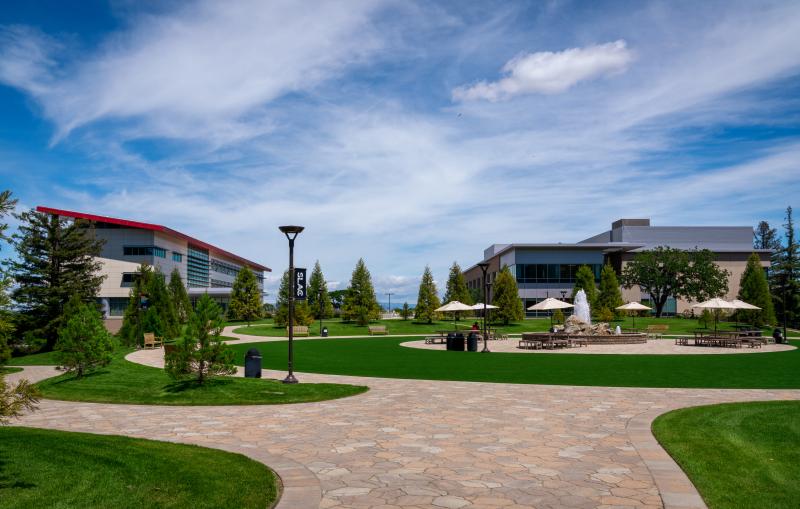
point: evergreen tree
(201, 353)
(245, 303)
(7, 204)
(505, 296)
(360, 303)
(609, 297)
(179, 296)
(83, 341)
(302, 315)
(584, 280)
(56, 258)
(317, 284)
(457, 288)
(754, 290)
(150, 309)
(405, 312)
(765, 237)
(785, 273)
(427, 299)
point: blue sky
(409, 133)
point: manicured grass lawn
(44, 468)
(384, 357)
(36, 359)
(5, 370)
(397, 327)
(126, 382)
(742, 455)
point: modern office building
(204, 269)
(548, 270)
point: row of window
(216, 283)
(224, 268)
(197, 274)
(144, 251)
(552, 273)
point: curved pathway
(421, 444)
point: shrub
(558, 316)
(83, 341)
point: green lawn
(742, 455)
(36, 359)
(58, 469)
(396, 327)
(5, 370)
(126, 382)
(384, 357)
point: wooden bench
(377, 329)
(151, 340)
(530, 344)
(299, 330)
(656, 331)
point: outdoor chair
(152, 341)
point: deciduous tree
(246, 302)
(56, 258)
(83, 341)
(427, 298)
(505, 296)
(202, 354)
(666, 272)
(360, 303)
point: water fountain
(582, 310)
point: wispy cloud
(547, 72)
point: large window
(177, 257)
(552, 273)
(144, 251)
(197, 267)
(224, 268)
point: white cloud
(547, 72)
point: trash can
(450, 337)
(252, 364)
(777, 335)
(472, 342)
(458, 342)
(324, 332)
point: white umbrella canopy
(479, 306)
(454, 305)
(740, 304)
(716, 304)
(549, 304)
(633, 306)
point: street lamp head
(483, 265)
(290, 229)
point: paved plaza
(423, 444)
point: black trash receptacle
(458, 342)
(324, 332)
(252, 364)
(777, 335)
(450, 337)
(472, 342)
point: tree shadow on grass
(192, 385)
(10, 480)
(86, 376)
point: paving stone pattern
(423, 444)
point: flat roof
(151, 227)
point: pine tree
(457, 288)
(179, 296)
(765, 237)
(150, 309)
(131, 332)
(754, 290)
(302, 315)
(83, 341)
(360, 303)
(245, 303)
(201, 353)
(159, 299)
(427, 299)
(405, 312)
(609, 297)
(317, 284)
(584, 280)
(785, 273)
(505, 296)
(56, 258)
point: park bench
(377, 329)
(299, 330)
(151, 340)
(656, 331)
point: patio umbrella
(479, 307)
(740, 304)
(454, 306)
(633, 306)
(717, 305)
(549, 304)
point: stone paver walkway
(420, 444)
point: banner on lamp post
(299, 284)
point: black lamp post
(563, 294)
(783, 298)
(484, 267)
(319, 297)
(291, 233)
(389, 294)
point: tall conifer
(427, 298)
